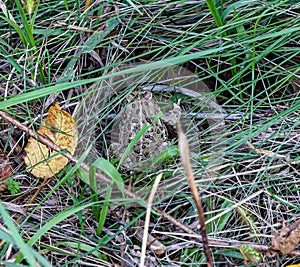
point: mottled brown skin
(140, 112)
(287, 239)
(5, 170)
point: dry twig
(186, 161)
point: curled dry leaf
(288, 238)
(60, 128)
(5, 170)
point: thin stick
(32, 199)
(186, 161)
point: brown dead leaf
(288, 238)
(60, 128)
(5, 170)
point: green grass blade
(106, 167)
(18, 241)
(214, 11)
(104, 210)
(28, 31)
(52, 223)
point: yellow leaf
(61, 129)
